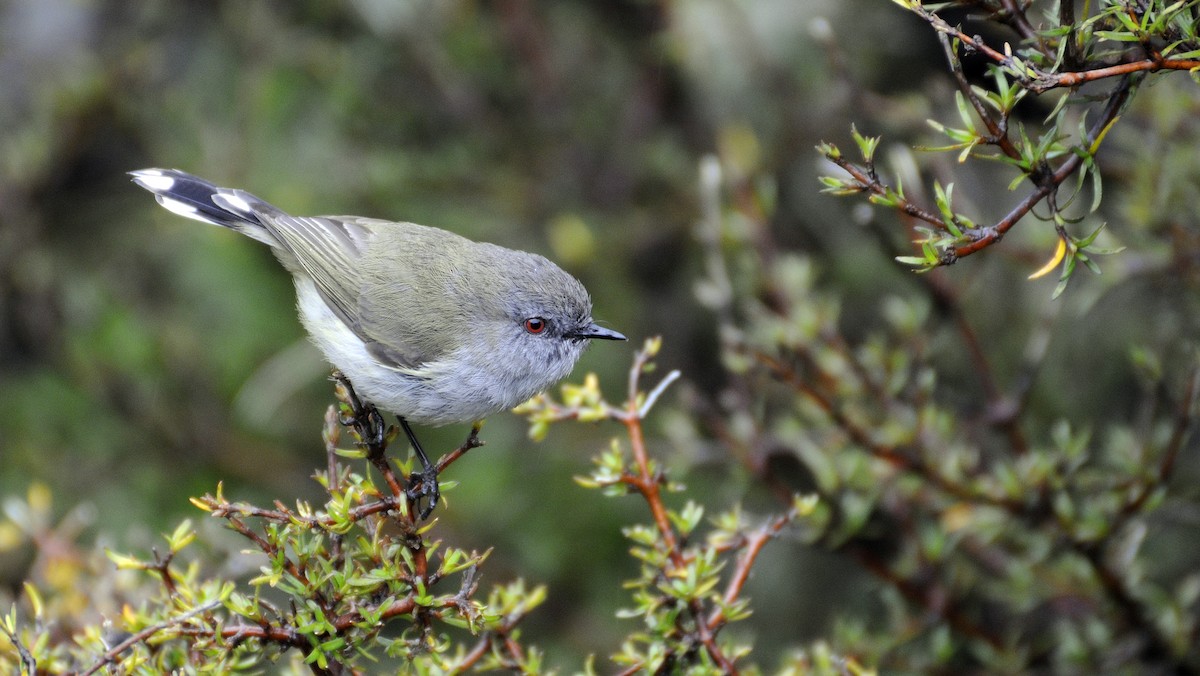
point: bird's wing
(415, 304)
(328, 249)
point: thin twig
(1184, 417)
(112, 654)
(1066, 17)
(918, 594)
(473, 441)
(163, 567)
(28, 663)
(649, 485)
(1003, 415)
(900, 457)
(1157, 646)
(870, 183)
(1040, 81)
(1046, 184)
(1014, 16)
(990, 235)
(750, 551)
(997, 131)
(1076, 78)
(475, 654)
(857, 433)
(331, 435)
(652, 398)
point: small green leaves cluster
(1079, 250)
(582, 402)
(352, 583)
(1172, 22)
(691, 568)
(1055, 159)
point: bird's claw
(363, 416)
(374, 427)
(423, 484)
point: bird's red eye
(535, 325)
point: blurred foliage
(1007, 482)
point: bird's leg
(364, 418)
(372, 431)
(424, 483)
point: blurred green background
(144, 358)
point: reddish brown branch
(1014, 16)
(985, 237)
(1046, 181)
(870, 183)
(113, 653)
(473, 441)
(649, 485)
(163, 567)
(750, 551)
(1076, 78)
(997, 131)
(476, 653)
(1039, 81)
(266, 547)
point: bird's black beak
(597, 332)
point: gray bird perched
(429, 325)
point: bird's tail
(196, 198)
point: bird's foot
(362, 416)
(422, 486)
(368, 424)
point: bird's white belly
(432, 396)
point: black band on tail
(197, 198)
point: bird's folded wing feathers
(329, 250)
(365, 287)
(404, 327)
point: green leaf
(943, 198)
(1068, 270)
(1087, 241)
(829, 150)
(964, 110)
(866, 144)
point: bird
(436, 328)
